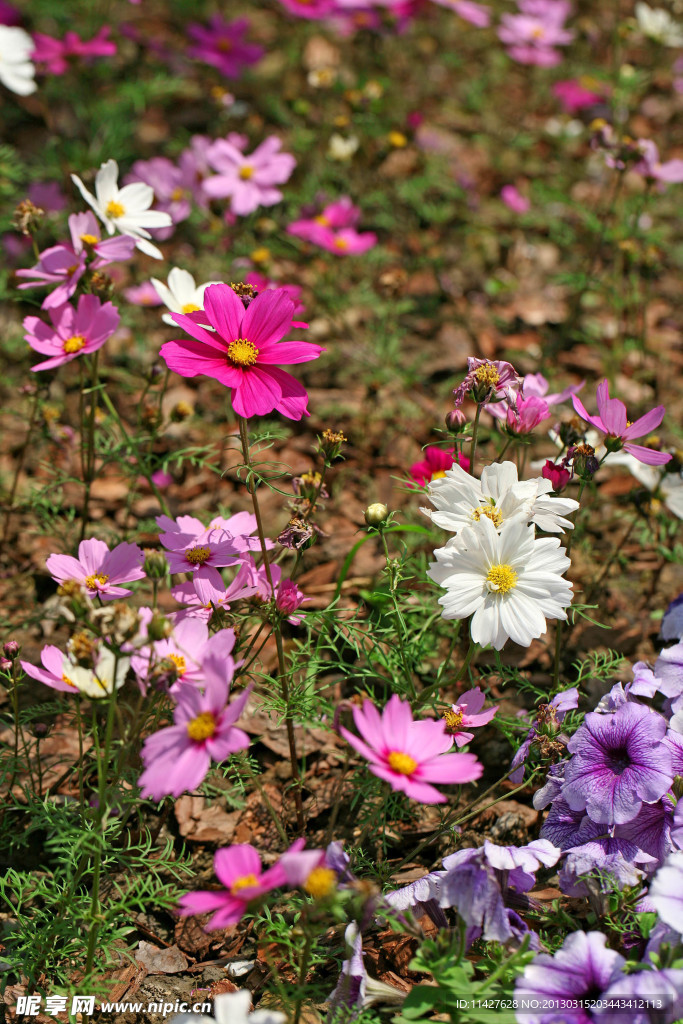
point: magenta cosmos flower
(53, 54)
(98, 569)
(243, 349)
(334, 229)
(619, 433)
(74, 332)
(239, 869)
(248, 181)
(177, 759)
(409, 755)
(435, 463)
(221, 44)
(467, 713)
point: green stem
(475, 432)
(19, 466)
(560, 622)
(393, 572)
(277, 629)
(90, 444)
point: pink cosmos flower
(530, 37)
(514, 199)
(488, 381)
(187, 530)
(670, 172)
(53, 673)
(574, 97)
(312, 10)
(201, 596)
(619, 433)
(173, 185)
(527, 415)
(409, 755)
(534, 385)
(435, 463)
(333, 229)
(467, 712)
(48, 195)
(65, 264)
(238, 868)
(476, 14)
(195, 167)
(248, 180)
(262, 283)
(221, 44)
(178, 660)
(177, 759)
(98, 569)
(242, 350)
(288, 598)
(52, 54)
(74, 332)
(144, 294)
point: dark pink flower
(313, 10)
(221, 44)
(73, 332)
(557, 474)
(242, 350)
(288, 598)
(262, 283)
(619, 433)
(409, 755)
(334, 229)
(574, 97)
(435, 463)
(248, 181)
(527, 415)
(51, 55)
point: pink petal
(225, 311)
(647, 455)
(257, 395)
(235, 862)
(650, 421)
(268, 318)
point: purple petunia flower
(618, 763)
(583, 967)
(672, 622)
(666, 891)
(645, 997)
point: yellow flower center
(341, 243)
(402, 763)
(244, 882)
(190, 307)
(437, 474)
(242, 352)
(179, 662)
(202, 727)
(501, 579)
(92, 581)
(69, 682)
(89, 239)
(487, 374)
(490, 512)
(114, 209)
(397, 139)
(538, 32)
(74, 344)
(320, 883)
(224, 45)
(323, 220)
(197, 556)
(453, 719)
(246, 172)
(177, 194)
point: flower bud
(289, 597)
(456, 420)
(10, 649)
(584, 461)
(159, 627)
(376, 514)
(557, 474)
(331, 444)
(5, 665)
(155, 565)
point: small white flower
(99, 681)
(181, 294)
(16, 70)
(509, 582)
(461, 499)
(125, 209)
(657, 24)
(231, 1008)
(342, 149)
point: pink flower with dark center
(619, 433)
(409, 755)
(221, 44)
(435, 463)
(248, 181)
(238, 868)
(574, 97)
(98, 569)
(65, 264)
(177, 759)
(467, 712)
(52, 54)
(242, 350)
(74, 332)
(514, 200)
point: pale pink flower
(74, 332)
(99, 570)
(409, 754)
(173, 186)
(530, 37)
(181, 658)
(144, 294)
(477, 14)
(201, 596)
(619, 433)
(468, 713)
(248, 181)
(670, 172)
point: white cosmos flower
(16, 70)
(181, 294)
(125, 209)
(461, 499)
(98, 681)
(509, 582)
(657, 24)
(231, 1008)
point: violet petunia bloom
(63, 265)
(74, 332)
(409, 755)
(242, 350)
(238, 868)
(672, 621)
(51, 55)
(98, 569)
(666, 891)
(221, 44)
(248, 181)
(582, 967)
(612, 421)
(644, 997)
(619, 762)
(467, 713)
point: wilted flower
(488, 381)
